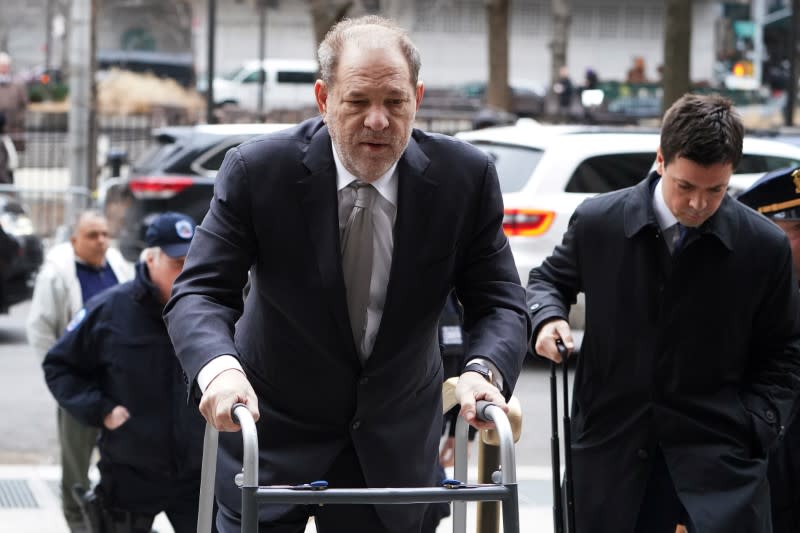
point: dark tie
(357, 260)
(680, 241)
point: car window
(252, 77)
(606, 173)
(154, 156)
(515, 164)
(296, 76)
(232, 74)
(214, 160)
(759, 164)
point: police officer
(115, 369)
(777, 196)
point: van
(288, 84)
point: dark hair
(370, 28)
(702, 128)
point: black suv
(21, 253)
(176, 173)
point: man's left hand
(472, 387)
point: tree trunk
(677, 46)
(326, 13)
(498, 95)
(562, 18)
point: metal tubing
(511, 510)
(207, 475)
(242, 416)
(493, 413)
(460, 473)
(249, 510)
(505, 492)
(403, 495)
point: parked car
(21, 253)
(546, 171)
(176, 173)
(288, 84)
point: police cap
(172, 232)
(776, 194)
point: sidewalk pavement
(30, 501)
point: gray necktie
(357, 260)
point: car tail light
(159, 187)
(526, 222)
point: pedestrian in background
(72, 273)
(115, 369)
(355, 228)
(13, 102)
(776, 196)
(564, 91)
(690, 362)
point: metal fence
(42, 181)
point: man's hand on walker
(225, 390)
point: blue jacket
(116, 351)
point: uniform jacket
(57, 294)
(698, 353)
(275, 209)
(117, 352)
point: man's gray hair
(370, 30)
(87, 213)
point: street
(28, 431)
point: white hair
(153, 251)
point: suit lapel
(414, 205)
(319, 203)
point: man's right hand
(229, 387)
(118, 416)
(548, 334)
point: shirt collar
(386, 185)
(664, 216)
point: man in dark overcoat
(777, 196)
(690, 363)
(348, 388)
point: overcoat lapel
(319, 203)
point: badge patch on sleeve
(77, 319)
(451, 335)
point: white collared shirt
(666, 220)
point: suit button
(770, 415)
(356, 424)
(363, 381)
(642, 454)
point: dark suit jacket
(274, 212)
(698, 353)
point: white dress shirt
(666, 220)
